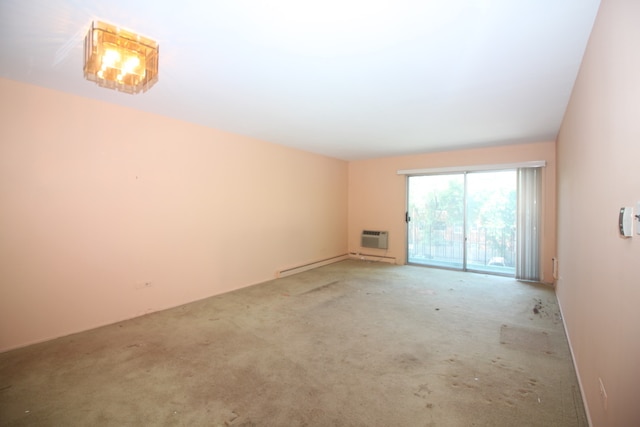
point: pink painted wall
(108, 213)
(377, 194)
(598, 157)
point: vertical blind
(528, 224)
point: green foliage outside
(437, 217)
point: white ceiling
(351, 79)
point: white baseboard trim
(575, 365)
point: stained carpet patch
(526, 339)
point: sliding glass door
(463, 221)
(491, 221)
(436, 220)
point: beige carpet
(350, 344)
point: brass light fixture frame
(120, 59)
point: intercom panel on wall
(626, 221)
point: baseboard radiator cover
(371, 257)
(310, 266)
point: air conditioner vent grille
(374, 239)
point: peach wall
(598, 155)
(377, 194)
(109, 213)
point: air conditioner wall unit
(374, 239)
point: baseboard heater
(371, 257)
(374, 239)
(315, 264)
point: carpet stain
(408, 361)
(537, 308)
(425, 387)
(525, 339)
(323, 287)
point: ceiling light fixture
(120, 59)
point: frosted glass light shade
(120, 59)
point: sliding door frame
(465, 170)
